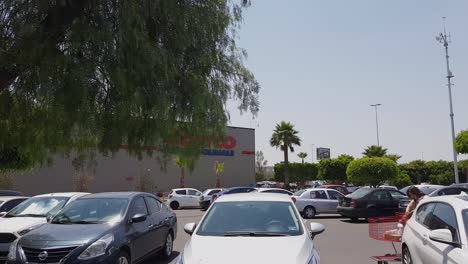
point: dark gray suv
(112, 228)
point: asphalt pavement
(342, 242)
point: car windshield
(251, 219)
(39, 207)
(92, 211)
(360, 193)
(299, 193)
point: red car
(341, 188)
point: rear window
(360, 193)
(299, 193)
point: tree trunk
(218, 181)
(182, 178)
(286, 168)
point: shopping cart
(389, 229)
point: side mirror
(316, 229)
(189, 228)
(138, 218)
(442, 236)
(3, 213)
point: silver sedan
(311, 202)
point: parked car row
(120, 228)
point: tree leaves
(461, 142)
(101, 74)
(373, 171)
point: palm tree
(184, 163)
(302, 155)
(219, 168)
(375, 151)
(285, 137)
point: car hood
(16, 224)
(64, 234)
(235, 250)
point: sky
(322, 63)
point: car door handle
(151, 226)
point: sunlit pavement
(342, 242)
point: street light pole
(445, 40)
(377, 121)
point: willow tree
(99, 74)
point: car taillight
(293, 199)
(353, 203)
(170, 196)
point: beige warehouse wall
(122, 172)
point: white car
(274, 190)
(205, 198)
(9, 202)
(437, 232)
(311, 202)
(183, 197)
(30, 214)
(241, 228)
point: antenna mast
(445, 40)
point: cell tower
(445, 40)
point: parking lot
(342, 242)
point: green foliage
(461, 142)
(373, 171)
(111, 73)
(393, 157)
(300, 172)
(187, 162)
(417, 170)
(302, 155)
(334, 170)
(285, 138)
(401, 180)
(375, 151)
(445, 178)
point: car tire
(123, 258)
(166, 252)
(174, 205)
(309, 212)
(354, 219)
(406, 256)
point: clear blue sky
(322, 63)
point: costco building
(122, 172)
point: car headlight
(27, 230)
(98, 248)
(13, 249)
(313, 260)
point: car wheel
(406, 258)
(123, 258)
(309, 212)
(354, 219)
(174, 205)
(168, 246)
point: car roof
(459, 202)
(62, 194)
(254, 197)
(319, 189)
(122, 195)
(183, 189)
(265, 189)
(8, 198)
(333, 185)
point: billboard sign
(323, 153)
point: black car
(107, 228)
(370, 202)
(449, 190)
